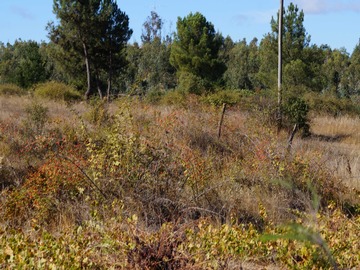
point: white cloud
(326, 6)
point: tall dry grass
(338, 138)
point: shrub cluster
(57, 91)
(11, 90)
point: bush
(230, 97)
(329, 104)
(174, 97)
(98, 113)
(192, 84)
(37, 116)
(57, 91)
(11, 90)
(155, 94)
(296, 112)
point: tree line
(89, 48)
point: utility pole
(280, 37)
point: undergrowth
(130, 185)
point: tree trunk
(88, 75)
(291, 137)
(98, 85)
(109, 80)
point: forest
(168, 153)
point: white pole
(280, 35)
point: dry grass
(338, 139)
(182, 173)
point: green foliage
(174, 97)
(11, 90)
(153, 68)
(295, 41)
(242, 66)
(98, 113)
(296, 112)
(57, 91)
(196, 48)
(154, 95)
(334, 69)
(230, 97)
(152, 28)
(352, 76)
(330, 104)
(22, 64)
(191, 84)
(64, 65)
(97, 31)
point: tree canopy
(90, 50)
(196, 48)
(22, 64)
(97, 30)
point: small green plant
(36, 118)
(98, 113)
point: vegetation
(97, 31)
(194, 53)
(57, 91)
(139, 185)
(184, 167)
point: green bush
(192, 84)
(296, 112)
(57, 91)
(230, 97)
(330, 104)
(11, 90)
(37, 116)
(155, 94)
(174, 97)
(98, 113)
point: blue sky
(332, 22)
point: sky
(332, 22)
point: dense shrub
(296, 113)
(229, 97)
(192, 84)
(155, 94)
(174, 97)
(332, 105)
(57, 91)
(11, 90)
